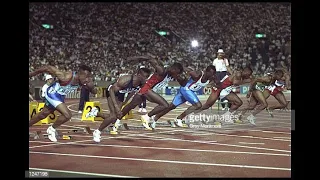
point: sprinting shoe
(114, 130)
(96, 135)
(80, 112)
(251, 119)
(172, 123)
(52, 134)
(117, 123)
(180, 123)
(140, 110)
(144, 110)
(92, 113)
(145, 119)
(223, 109)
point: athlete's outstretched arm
(151, 59)
(50, 70)
(116, 87)
(264, 79)
(194, 75)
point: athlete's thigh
(266, 94)
(213, 97)
(155, 98)
(178, 99)
(281, 98)
(260, 97)
(47, 110)
(63, 109)
(190, 96)
(233, 97)
(252, 100)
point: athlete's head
(175, 69)
(210, 71)
(143, 74)
(84, 74)
(246, 72)
(278, 74)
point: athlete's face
(84, 77)
(278, 76)
(143, 76)
(174, 71)
(50, 81)
(246, 73)
(210, 73)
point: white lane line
(164, 161)
(250, 143)
(82, 173)
(175, 149)
(215, 143)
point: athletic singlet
(129, 88)
(196, 85)
(65, 89)
(225, 82)
(160, 83)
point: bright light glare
(194, 43)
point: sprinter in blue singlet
(197, 81)
(54, 99)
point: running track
(237, 150)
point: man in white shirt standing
(221, 64)
(49, 80)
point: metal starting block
(85, 130)
(39, 135)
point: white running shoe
(80, 112)
(144, 110)
(251, 119)
(92, 113)
(52, 134)
(96, 135)
(179, 122)
(140, 110)
(145, 119)
(117, 123)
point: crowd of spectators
(103, 35)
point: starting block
(87, 108)
(33, 111)
(51, 118)
(39, 135)
(127, 116)
(85, 130)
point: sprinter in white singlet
(54, 99)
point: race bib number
(195, 87)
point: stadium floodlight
(194, 43)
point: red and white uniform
(275, 88)
(226, 87)
(155, 82)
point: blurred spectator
(103, 35)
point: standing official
(221, 64)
